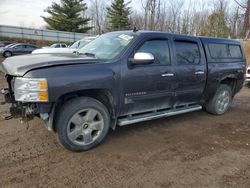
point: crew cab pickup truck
(123, 78)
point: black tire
(7, 54)
(76, 108)
(213, 106)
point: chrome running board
(157, 114)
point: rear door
(29, 49)
(190, 70)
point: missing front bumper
(7, 96)
(16, 110)
(27, 111)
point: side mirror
(142, 58)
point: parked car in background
(17, 49)
(248, 76)
(5, 43)
(57, 45)
(74, 47)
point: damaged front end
(17, 109)
(21, 106)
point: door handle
(199, 72)
(167, 75)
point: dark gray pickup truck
(123, 78)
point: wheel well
(102, 95)
(230, 82)
(7, 51)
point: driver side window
(160, 50)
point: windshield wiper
(88, 54)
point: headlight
(31, 90)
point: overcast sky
(28, 12)
(23, 12)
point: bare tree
(152, 10)
(246, 23)
(97, 11)
(179, 16)
(234, 19)
(137, 20)
(176, 9)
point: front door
(148, 87)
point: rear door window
(30, 47)
(187, 52)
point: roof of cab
(146, 32)
(203, 38)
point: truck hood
(19, 65)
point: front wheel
(221, 101)
(7, 54)
(82, 124)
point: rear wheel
(82, 124)
(7, 54)
(221, 101)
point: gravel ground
(190, 150)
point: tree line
(216, 18)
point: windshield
(55, 46)
(8, 46)
(107, 46)
(75, 45)
(79, 44)
(83, 43)
(12, 46)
